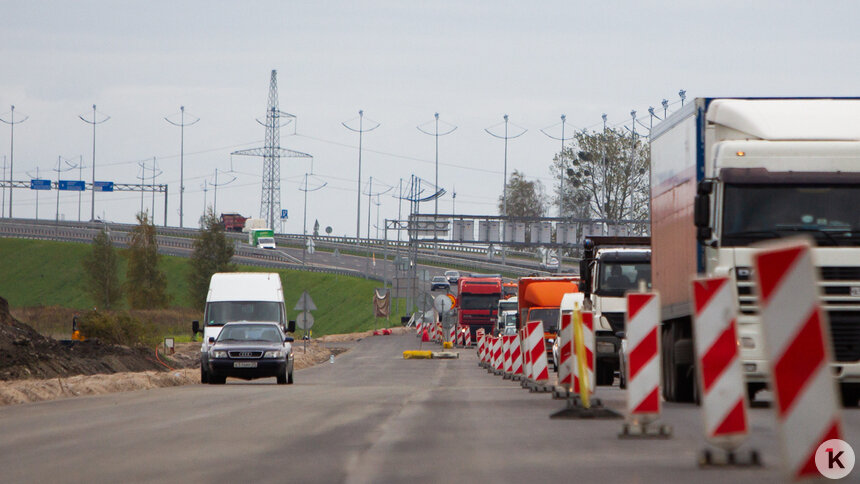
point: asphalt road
(369, 417)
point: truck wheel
(850, 394)
(217, 380)
(204, 375)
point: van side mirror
(288, 339)
(291, 327)
(195, 327)
(211, 340)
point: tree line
(600, 175)
(145, 285)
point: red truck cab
(478, 299)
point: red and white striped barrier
(643, 356)
(527, 360)
(467, 338)
(506, 349)
(461, 340)
(565, 351)
(588, 343)
(499, 355)
(452, 334)
(516, 356)
(480, 335)
(721, 378)
(537, 351)
(797, 345)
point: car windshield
(549, 316)
(479, 301)
(439, 279)
(507, 305)
(267, 240)
(826, 212)
(452, 274)
(250, 332)
(222, 312)
(618, 277)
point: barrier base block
(724, 458)
(507, 376)
(445, 355)
(651, 430)
(576, 410)
(498, 372)
(561, 393)
(540, 387)
(516, 377)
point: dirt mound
(24, 353)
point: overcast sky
(400, 62)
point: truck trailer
(730, 173)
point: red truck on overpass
(233, 222)
(478, 299)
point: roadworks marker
(506, 351)
(797, 345)
(537, 354)
(642, 330)
(720, 375)
(516, 358)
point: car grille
(245, 354)
(837, 286)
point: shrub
(118, 328)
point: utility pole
(59, 170)
(81, 178)
(3, 195)
(683, 94)
(94, 122)
(305, 211)
(154, 174)
(506, 137)
(454, 201)
(361, 130)
(142, 178)
(560, 162)
(665, 104)
(11, 122)
(448, 129)
(182, 124)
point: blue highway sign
(37, 184)
(73, 185)
(103, 186)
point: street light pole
(12, 124)
(506, 137)
(94, 122)
(182, 125)
(360, 132)
(436, 135)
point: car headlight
(219, 354)
(605, 347)
(274, 354)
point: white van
(240, 296)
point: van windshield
(221, 312)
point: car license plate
(245, 364)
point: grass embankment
(43, 282)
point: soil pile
(24, 353)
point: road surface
(369, 417)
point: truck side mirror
(702, 217)
(291, 327)
(195, 327)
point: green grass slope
(44, 273)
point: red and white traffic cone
(537, 353)
(588, 343)
(798, 347)
(721, 380)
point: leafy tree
(605, 176)
(146, 284)
(101, 269)
(212, 253)
(525, 198)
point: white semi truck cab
(610, 267)
(727, 174)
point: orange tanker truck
(539, 299)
